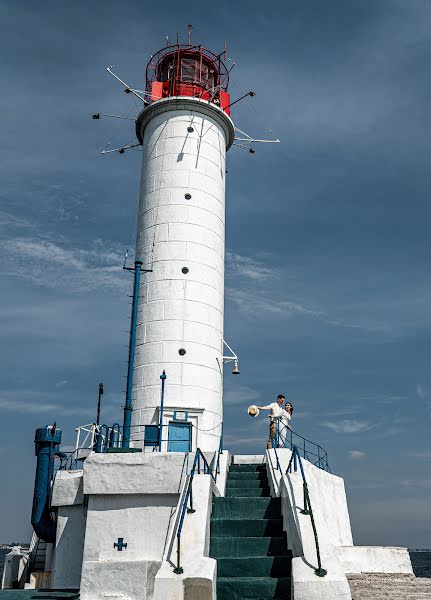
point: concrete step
(246, 588)
(224, 546)
(243, 492)
(262, 566)
(247, 468)
(247, 527)
(240, 508)
(389, 586)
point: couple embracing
(278, 414)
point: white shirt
(275, 410)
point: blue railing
(187, 503)
(286, 438)
(307, 510)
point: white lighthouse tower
(185, 131)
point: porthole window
(181, 351)
(184, 270)
(188, 196)
(190, 129)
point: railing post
(191, 509)
(162, 403)
(178, 569)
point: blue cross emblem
(120, 544)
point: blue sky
(328, 234)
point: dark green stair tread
(248, 492)
(257, 508)
(224, 546)
(246, 483)
(247, 527)
(241, 588)
(261, 566)
(247, 467)
(247, 475)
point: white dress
(285, 417)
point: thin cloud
(54, 265)
(242, 394)
(36, 406)
(349, 426)
(356, 454)
(249, 267)
(61, 383)
(421, 392)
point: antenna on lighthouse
(189, 34)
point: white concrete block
(69, 547)
(138, 473)
(68, 488)
(375, 559)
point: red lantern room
(186, 70)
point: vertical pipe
(98, 403)
(162, 402)
(128, 404)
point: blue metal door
(179, 437)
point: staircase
(247, 538)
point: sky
(328, 287)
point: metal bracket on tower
(249, 140)
(231, 358)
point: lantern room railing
(187, 70)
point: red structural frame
(187, 70)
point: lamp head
(235, 370)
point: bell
(235, 370)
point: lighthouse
(185, 130)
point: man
(275, 412)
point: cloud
(55, 265)
(37, 406)
(349, 426)
(356, 454)
(421, 392)
(255, 268)
(61, 383)
(259, 302)
(426, 454)
(241, 394)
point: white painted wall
(338, 555)
(69, 547)
(15, 568)
(198, 581)
(306, 585)
(375, 559)
(68, 498)
(179, 310)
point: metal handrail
(307, 510)
(185, 508)
(317, 455)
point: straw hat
(253, 411)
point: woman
(285, 417)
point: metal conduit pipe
(131, 362)
(47, 440)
